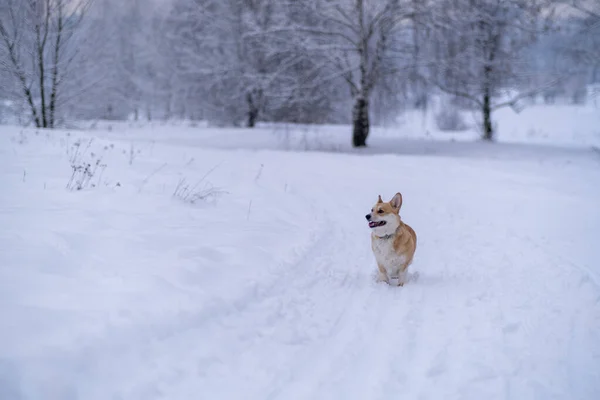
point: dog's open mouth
(375, 224)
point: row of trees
(315, 61)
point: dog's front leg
(402, 278)
(382, 276)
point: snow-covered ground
(265, 289)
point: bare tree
(480, 47)
(351, 39)
(585, 47)
(225, 52)
(125, 66)
(588, 8)
(36, 38)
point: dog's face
(384, 218)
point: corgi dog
(393, 242)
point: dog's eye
(371, 210)
(379, 211)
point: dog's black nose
(368, 217)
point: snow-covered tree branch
(353, 37)
(37, 41)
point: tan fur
(394, 253)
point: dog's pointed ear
(396, 201)
(379, 200)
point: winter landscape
(182, 212)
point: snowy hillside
(197, 263)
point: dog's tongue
(372, 224)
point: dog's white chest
(387, 257)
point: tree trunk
(41, 37)
(56, 60)
(10, 45)
(252, 111)
(488, 132)
(252, 114)
(360, 122)
(486, 108)
(34, 113)
(42, 68)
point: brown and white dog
(393, 242)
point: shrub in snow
(200, 191)
(449, 119)
(84, 167)
(192, 194)
(82, 175)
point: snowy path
(276, 300)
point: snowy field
(204, 263)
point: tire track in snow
(317, 361)
(330, 317)
(281, 312)
(377, 351)
(360, 342)
(304, 317)
(354, 299)
(132, 343)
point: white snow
(266, 290)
